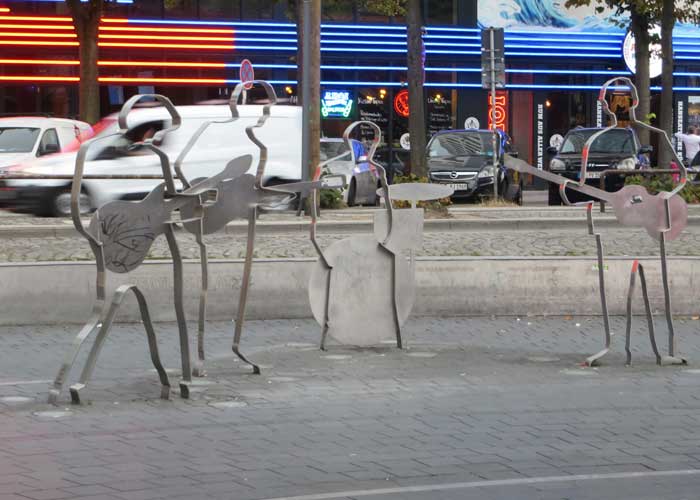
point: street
(474, 408)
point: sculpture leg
(395, 301)
(203, 259)
(592, 360)
(93, 324)
(89, 367)
(650, 315)
(671, 359)
(180, 312)
(324, 332)
(247, 268)
(628, 330)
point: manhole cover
(224, 405)
(15, 400)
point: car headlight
(556, 164)
(486, 172)
(627, 164)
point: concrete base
(63, 292)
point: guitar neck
(524, 168)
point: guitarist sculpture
(663, 216)
(120, 234)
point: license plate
(460, 186)
(592, 175)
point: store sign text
(501, 110)
(336, 104)
(540, 136)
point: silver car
(362, 177)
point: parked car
(116, 155)
(464, 160)
(617, 149)
(24, 138)
(362, 178)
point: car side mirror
(646, 150)
(552, 150)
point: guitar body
(127, 229)
(634, 206)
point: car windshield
(461, 144)
(18, 139)
(612, 141)
(330, 149)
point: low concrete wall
(61, 292)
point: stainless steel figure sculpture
(240, 197)
(120, 234)
(362, 288)
(664, 216)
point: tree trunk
(86, 20)
(640, 30)
(668, 21)
(300, 49)
(416, 97)
(314, 106)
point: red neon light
(38, 26)
(164, 45)
(14, 78)
(161, 80)
(164, 64)
(38, 42)
(57, 62)
(167, 30)
(41, 35)
(4, 9)
(32, 18)
(160, 37)
(401, 103)
(501, 110)
(114, 20)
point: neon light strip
(38, 42)
(38, 26)
(168, 30)
(40, 35)
(33, 18)
(161, 37)
(39, 78)
(164, 45)
(56, 62)
(4, 9)
(165, 64)
(165, 80)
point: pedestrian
(691, 143)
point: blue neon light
(336, 103)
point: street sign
(247, 74)
(405, 141)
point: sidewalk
(470, 405)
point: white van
(219, 144)
(24, 138)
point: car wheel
(554, 196)
(60, 204)
(352, 190)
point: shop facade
(191, 50)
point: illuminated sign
(501, 110)
(401, 103)
(628, 53)
(336, 104)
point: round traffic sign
(405, 141)
(247, 74)
(472, 122)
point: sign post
(493, 75)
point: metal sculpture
(240, 197)
(120, 234)
(663, 216)
(362, 288)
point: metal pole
(492, 55)
(306, 92)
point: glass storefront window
(180, 8)
(146, 8)
(441, 12)
(259, 9)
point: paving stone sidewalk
(475, 401)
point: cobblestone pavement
(473, 409)
(477, 243)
